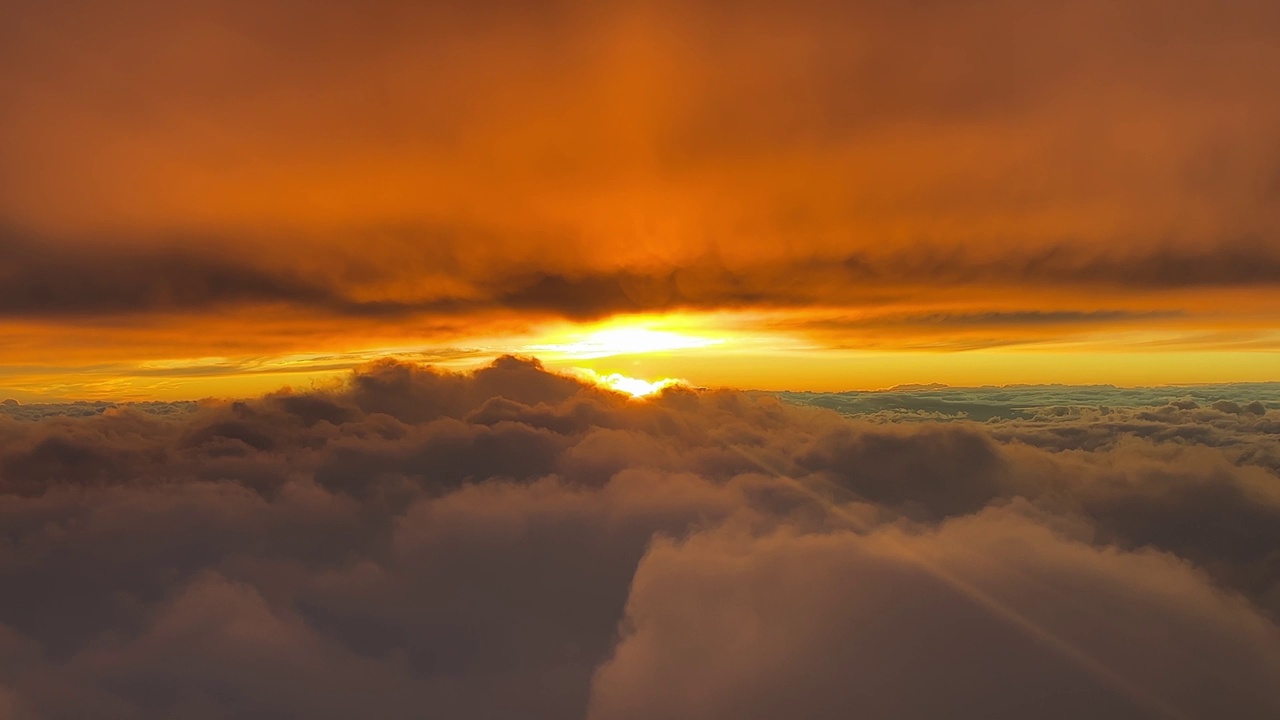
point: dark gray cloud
(513, 542)
(43, 278)
(52, 278)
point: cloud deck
(516, 543)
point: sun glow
(611, 341)
(635, 387)
(617, 382)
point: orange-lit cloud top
(245, 179)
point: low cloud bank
(1014, 402)
(516, 543)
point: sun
(635, 387)
(619, 383)
(629, 336)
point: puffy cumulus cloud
(515, 542)
(994, 615)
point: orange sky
(217, 197)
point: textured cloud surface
(515, 543)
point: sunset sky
(640, 359)
(222, 197)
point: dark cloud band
(48, 279)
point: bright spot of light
(617, 382)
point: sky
(222, 197)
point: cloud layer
(513, 542)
